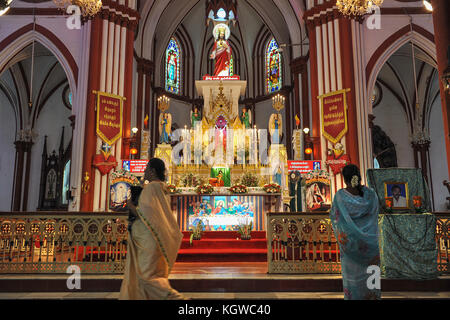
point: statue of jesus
(221, 51)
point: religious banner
(109, 117)
(334, 115)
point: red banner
(334, 115)
(221, 78)
(303, 166)
(109, 117)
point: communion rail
(50, 242)
(305, 243)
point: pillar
(110, 71)
(334, 65)
(441, 22)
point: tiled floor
(220, 296)
(220, 272)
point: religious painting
(220, 177)
(121, 183)
(173, 66)
(398, 191)
(120, 193)
(273, 67)
(318, 191)
(222, 213)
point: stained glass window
(273, 67)
(173, 66)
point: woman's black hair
(159, 167)
(349, 172)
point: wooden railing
(49, 242)
(305, 243)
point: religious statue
(165, 123)
(246, 118)
(221, 51)
(275, 128)
(195, 117)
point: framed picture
(399, 193)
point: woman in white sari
(153, 242)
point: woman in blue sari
(354, 216)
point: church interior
(255, 107)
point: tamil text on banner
(303, 166)
(334, 115)
(109, 117)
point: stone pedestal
(164, 152)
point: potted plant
(196, 231)
(245, 229)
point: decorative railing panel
(51, 242)
(443, 242)
(301, 243)
(305, 243)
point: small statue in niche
(165, 123)
(275, 128)
(246, 118)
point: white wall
(53, 117)
(392, 119)
(8, 152)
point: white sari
(153, 245)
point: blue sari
(355, 225)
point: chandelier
(357, 7)
(89, 8)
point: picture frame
(398, 191)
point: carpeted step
(222, 255)
(224, 243)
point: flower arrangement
(272, 188)
(196, 231)
(249, 180)
(125, 176)
(190, 180)
(238, 188)
(172, 189)
(417, 203)
(204, 189)
(245, 229)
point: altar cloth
(408, 248)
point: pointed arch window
(173, 67)
(273, 67)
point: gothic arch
(419, 36)
(18, 40)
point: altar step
(223, 246)
(207, 285)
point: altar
(224, 211)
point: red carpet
(224, 246)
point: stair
(223, 246)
